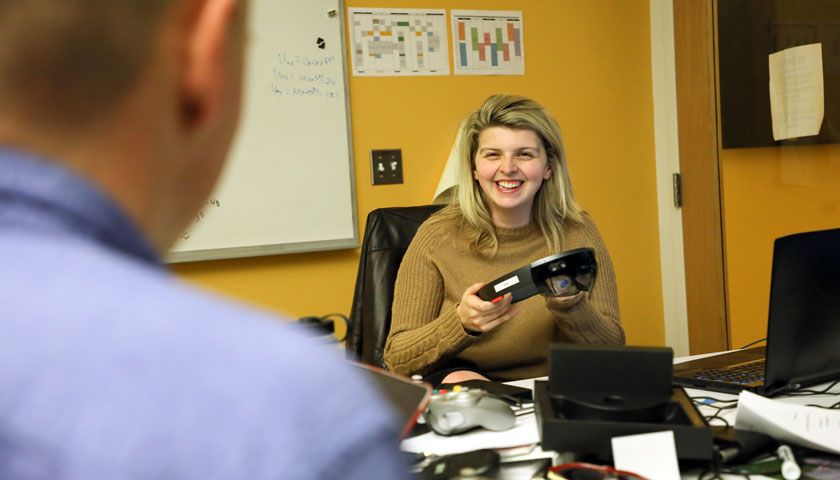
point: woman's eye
(526, 154)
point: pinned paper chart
(388, 42)
(486, 42)
(797, 91)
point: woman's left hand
(565, 302)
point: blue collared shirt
(110, 367)
(38, 196)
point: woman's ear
(548, 171)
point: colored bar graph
(487, 42)
(517, 43)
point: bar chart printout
(389, 42)
(486, 42)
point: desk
(526, 432)
(518, 446)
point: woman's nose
(509, 164)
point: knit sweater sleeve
(594, 316)
(422, 336)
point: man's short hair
(69, 61)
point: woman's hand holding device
(565, 302)
(479, 315)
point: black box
(595, 393)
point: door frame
(666, 143)
(686, 106)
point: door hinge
(677, 190)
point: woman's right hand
(480, 316)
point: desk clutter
(614, 413)
(597, 393)
(463, 408)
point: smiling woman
(510, 167)
(513, 205)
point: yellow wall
(589, 63)
(768, 193)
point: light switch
(386, 167)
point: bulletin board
(289, 184)
(750, 30)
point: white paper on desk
(651, 455)
(812, 427)
(524, 432)
(797, 99)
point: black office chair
(388, 233)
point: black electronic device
(803, 330)
(463, 408)
(736, 446)
(510, 393)
(475, 464)
(596, 392)
(562, 275)
(406, 397)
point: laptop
(407, 397)
(803, 327)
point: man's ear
(203, 69)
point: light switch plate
(386, 167)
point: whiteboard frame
(298, 247)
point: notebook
(803, 327)
(407, 397)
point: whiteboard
(289, 183)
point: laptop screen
(803, 326)
(803, 331)
(407, 397)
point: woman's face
(510, 166)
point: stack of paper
(811, 427)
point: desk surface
(727, 416)
(525, 431)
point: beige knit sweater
(426, 333)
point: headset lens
(566, 286)
(585, 278)
(562, 286)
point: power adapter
(325, 325)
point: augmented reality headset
(562, 275)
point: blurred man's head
(67, 62)
(140, 96)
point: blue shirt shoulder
(110, 367)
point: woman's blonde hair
(554, 202)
